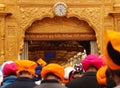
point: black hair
(24, 72)
(92, 66)
(115, 72)
(113, 54)
(109, 81)
(49, 74)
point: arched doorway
(50, 34)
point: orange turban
(41, 62)
(26, 65)
(53, 68)
(114, 38)
(101, 76)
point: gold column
(3, 15)
(94, 48)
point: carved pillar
(94, 49)
(2, 35)
(24, 54)
(116, 15)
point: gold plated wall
(25, 12)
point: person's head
(112, 53)
(9, 68)
(53, 71)
(37, 76)
(78, 70)
(24, 73)
(25, 68)
(51, 76)
(92, 63)
(110, 83)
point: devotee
(109, 80)
(25, 74)
(90, 65)
(68, 73)
(104, 78)
(78, 70)
(53, 75)
(40, 64)
(9, 70)
(37, 78)
(112, 53)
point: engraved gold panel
(26, 12)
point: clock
(60, 9)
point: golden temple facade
(26, 20)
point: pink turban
(9, 68)
(92, 60)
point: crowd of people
(92, 72)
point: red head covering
(92, 60)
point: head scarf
(56, 69)
(112, 38)
(26, 65)
(92, 60)
(101, 75)
(9, 68)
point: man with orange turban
(25, 74)
(53, 75)
(112, 53)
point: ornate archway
(90, 15)
(61, 30)
(28, 12)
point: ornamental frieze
(91, 15)
(60, 36)
(29, 14)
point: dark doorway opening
(56, 51)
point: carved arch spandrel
(27, 16)
(93, 17)
(90, 15)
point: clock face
(60, 9)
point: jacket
(22, 82)
(8, 80)
(50, 84)
(88, 80)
